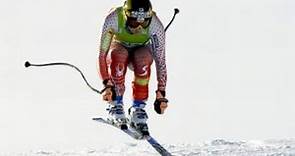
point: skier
(132, 36)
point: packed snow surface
(217, 147)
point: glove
(160, 103)
(109, 94)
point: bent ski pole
(28, 64)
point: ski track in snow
(214, 148)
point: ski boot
(117, 114)
(138, 118)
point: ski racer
(132, 37)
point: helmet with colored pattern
(138, 12)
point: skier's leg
(118, 60)
(141, 61)
(118, 64)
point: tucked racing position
(133, 38)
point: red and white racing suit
(115, 56)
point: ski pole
(176, 11)
(28, 64)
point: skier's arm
(157, 33)
(110, 25)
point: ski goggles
(137, 18)
(134, 23)
(140, 15)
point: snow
(218, 147)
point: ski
(134, 134)
(158, 147)
(128, 131)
